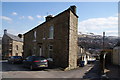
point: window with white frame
(51, 32)
(34, 35)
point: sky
(94, 17)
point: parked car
(82, 63)
(91, 60)
(15, 59)
(34, 62)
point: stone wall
(116, 56)
(60, 41)
(6, 46)
(73, 41)
(15, 51)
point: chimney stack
(5, 31)
(49, 17)
(20, 35)
(73, 8)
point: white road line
(89, 68)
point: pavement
(113, 72)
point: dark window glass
(17, 57)
(39, 58)
(50, 47)
(16, 47)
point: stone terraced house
(11, 45)
(56, 38)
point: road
(18, 71)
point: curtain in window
(51, 32)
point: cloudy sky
(94, 17)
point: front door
(40, 50)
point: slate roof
(13, 37)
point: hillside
(95, 42)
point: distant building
(83, 55)
(116, 54)
(55, 38)
(11, 45)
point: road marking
(89, 69)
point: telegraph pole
(102, 60)
(102, 57)
(103, 41)
(104, 54)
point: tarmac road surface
(18, 71)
